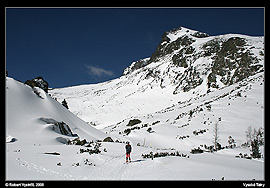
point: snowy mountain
(185, 65)
(194, 89)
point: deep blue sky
(90, 45)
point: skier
(128, 151)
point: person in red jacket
(128, 151)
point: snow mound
(26, 111)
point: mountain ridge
(184, 70)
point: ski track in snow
(113, 168)
(36, 168)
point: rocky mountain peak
(189, 58)
(170, 41)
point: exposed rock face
(38, 82)
(59, 127)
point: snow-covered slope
(190, 123)
(28, 111)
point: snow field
(32, 164)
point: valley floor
(31, 163)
